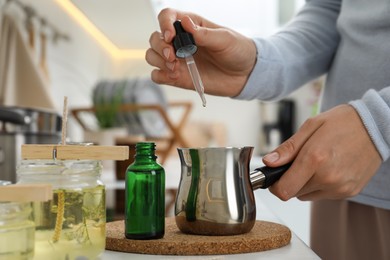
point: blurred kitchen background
(93, 53)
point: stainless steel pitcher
(215, 195)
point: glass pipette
(196, 80)
(185, 47)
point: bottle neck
(145, 152)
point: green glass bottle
(145, 195)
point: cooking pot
(24, 126)
(215, 194)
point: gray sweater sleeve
(374, 110)
(302, 51)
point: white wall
(75, 65)
(250, 17)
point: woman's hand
(224, 58)
(334, 158)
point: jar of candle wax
(72, 224)
(16, 231)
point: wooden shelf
(174, 136)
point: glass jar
(72, 224)
(16, 231)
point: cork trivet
(264, 236)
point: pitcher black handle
(265, 176)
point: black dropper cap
(183, 43)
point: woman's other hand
(334, 158)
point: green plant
(106, 109)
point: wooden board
(74, 152)
(264, 236)
(26, 192)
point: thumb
(289, 149)
(283, 154)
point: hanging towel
(22, 83)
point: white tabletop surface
(295, 250)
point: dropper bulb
(184, 42)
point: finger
(307, 189)
(214, 38)
(302, 148)
(288, 150)
(166, 19)
(329, 188)
(320, 195)
(312, 186)
(168, 16)
(156, 60)
(316, 183)
(164, 49)
(312, 196)
(292, 181)
(164, 77)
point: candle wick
(64, 120)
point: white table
(295, 250)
